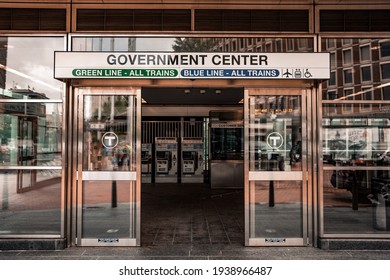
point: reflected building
(3, 60)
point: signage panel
(152, 65)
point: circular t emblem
(109, 140)
(274, 140)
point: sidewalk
(195, 253)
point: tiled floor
(191, 214)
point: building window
(333, 61)
(366, 95)
(385, 49)
(347, 57)
(330, 43)
(348, 77)
(302, 44)
(347, 41)
(386, 93)
(290, 44)
(332, 95)
(278, 45)
(348, 95)
(366, 73)
(242, 43)
(332, 80)
(268, 47)
(234, 46)
(365, 53)
(385, 71)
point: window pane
(355, 195)
(347, 57)
(183, 44)
(30, 134)
(385, 69)
(386, 93)
(385, 49)
(373, 66)
(366, 73)
(275, 133)
(283, 220)
(29, 63)
(332, 80)
(30, 202)
(365, 53)
(348, 78)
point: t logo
(274, 140)
(109, 140)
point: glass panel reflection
(356, 193)
(369, 69)
(30, 202)
(107, 214)
(275, 133)
(184, 44)
(30, 134)
(355, 139)
(26, 68)
(109, 133)
(282, 220)
(356, 201)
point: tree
(193, 44)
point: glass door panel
(108, 167)
(275, 164)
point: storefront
(300, 122)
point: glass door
(108, 185)
(276, 167)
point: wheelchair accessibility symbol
(110, 140)
(307, 74)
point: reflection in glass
(34, 206)
(26, 67)
(100, 218)
(184, 44)
(355, 193)
(370, 68)
(356, 201)
(275, 133)
(355, 140)
(30, 134)
(284, 220)
(109, 133)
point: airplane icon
(287, 74)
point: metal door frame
(80, 175)
(305, 175)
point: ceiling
(192, 96)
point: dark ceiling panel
(192, 96)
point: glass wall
(356, 138)
(30, 137)
(182, 44)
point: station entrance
(144, 150)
